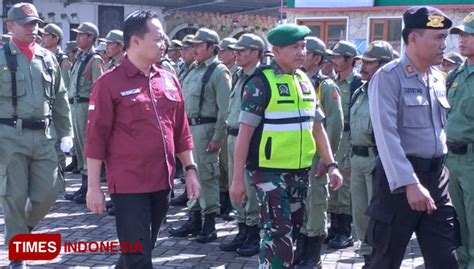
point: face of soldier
(290, 57)
(429, 45)
(227, 57)
(341, 64)
(72, 56)
(202, 52)
(84, 41)
(311, 60)
(466, 46)
(368, 69)
(150, 47)
(187, 54)
(49, 41)
(246, 58)
(113, 49)
(24, 32)
(174, 55)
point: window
(330, 30)
(389, 30)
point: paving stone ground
(75, 223)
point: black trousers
(138, 218)
(392, 221)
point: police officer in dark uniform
(407, 99)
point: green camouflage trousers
(281, 198)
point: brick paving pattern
(75, 223)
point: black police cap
(426, 17)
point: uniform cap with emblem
(23, 13)
(315, 45)
(186, 42)
(466, 26)
(454, 58)
(87, 28)
(205, 35)
(114, 36)
(53, 29)
(287, 34)
(378, 51)
(426, 17)
(343, 48)
(249, 41)
(70, 46)
(175, 45)
(227, 43)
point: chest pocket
(467, 107)
(6, 84)
(416, 111)
(138, 107)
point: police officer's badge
(283, 89)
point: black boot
(333, 228)
(208, 232)
(238, 240)
(80, 198)
(312, 254)
(251, 245)
(367, 261)
(344, 238)
(226, 206)
(72, 165)
(81, 191)
(300, 248)
(192, 226)
(180, 200)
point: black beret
(287, 34)
(426, 17)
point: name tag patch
(130, 92)
(412, 90)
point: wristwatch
(191, 167)
(334, 164)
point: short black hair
(406, 32)
(136, 25)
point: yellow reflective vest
(284, 140)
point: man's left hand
(213, 146)
(66, 144)
(335, 178)
(192, 185)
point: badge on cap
(409, 69)
(27, 9)
(435, 21)
(283, 89)
(469, 18)
(369, 47)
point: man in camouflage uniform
(206, 107)
(85, 70)
(248, 51)
(364, 152)
(460, 140)
(313, 231)
(339, 236)
(30, 99)
(280, 126)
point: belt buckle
(193, 121)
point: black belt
(363, 150)
(78, 100)
(347, 127)
(232, 131)
(201, 120)
(26, 124)
(457, 148)
(426, 165)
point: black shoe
(111, 210)
(72, 165)
(81, 198)
(238, 240)
(343, 238)
(192, 226)
(300, 248)
(17, 265)
(180, 200)
(312, 254)
(333, 228)
(208, 232)
(251, 245)
(72, 196)
(109, 204)
(367, 261)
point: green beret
(287, 34)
